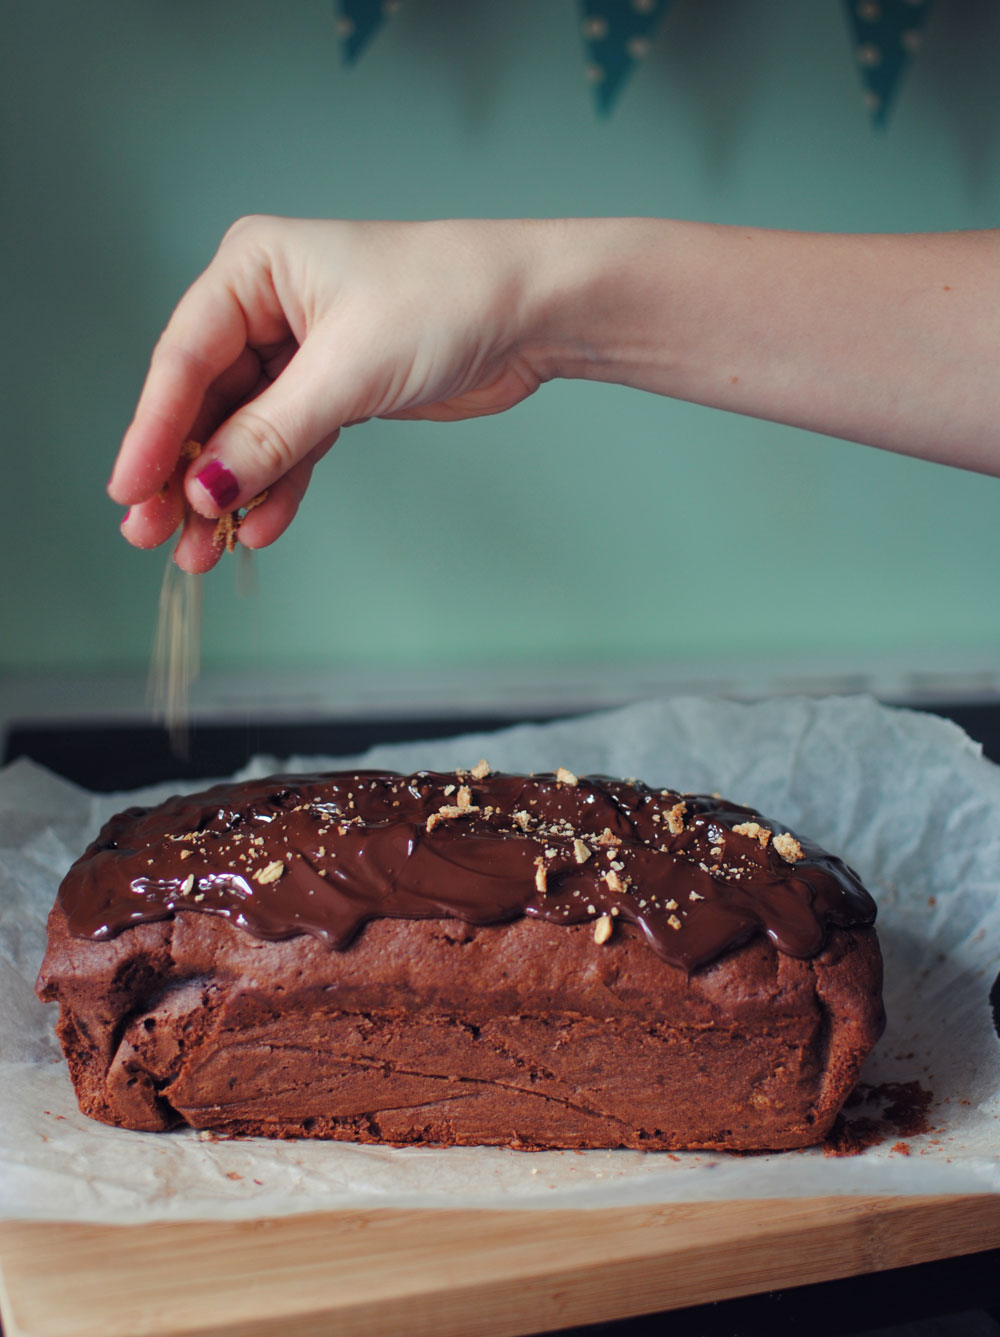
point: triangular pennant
(358, 21)
(886, 33)
(616, 34)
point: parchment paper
(905, 798)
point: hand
(299, 328)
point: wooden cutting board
(456, 1274)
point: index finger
(204, 336)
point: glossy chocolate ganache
(323, 854)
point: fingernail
(219, 483)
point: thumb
(301, 412)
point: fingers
(200, 545)
(265, 523)
(232, 305)
(205, 336)
(150, 523)
(269, 436)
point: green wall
(591, 521)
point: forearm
(888, 340)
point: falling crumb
(270, 873)
(788, 847)
(603, 929)
(565, 777)
(581, 851)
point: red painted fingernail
(219, 483)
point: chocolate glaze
(349, 847)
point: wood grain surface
(456, 1274)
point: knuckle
(244, 230)
(273, 451)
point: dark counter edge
(105, 757)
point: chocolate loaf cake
(464, 958)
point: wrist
(603, 300)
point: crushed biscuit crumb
(481, 770)
(465, 798)
(541, 876)
(270, 873)
(603, 929)
(187, 884)
(581, 851)
(674, 922)
(614, 882)
(565, 777)
(788, 847)
(675, 818)
(762, 834)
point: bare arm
(889, 340)
(299, 328)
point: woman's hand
(299, 328)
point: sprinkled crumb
(755, 831)
(614, 882)
(188, 884)
(603, 929)
(675, 818)
(481, 770)
(541, 876)
(270, 873)
(788, 847)
(581, 851)
(449, 789)
(674, 922)
(565, 777)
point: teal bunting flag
(358, 21)
(617, 35)
(886, 33)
